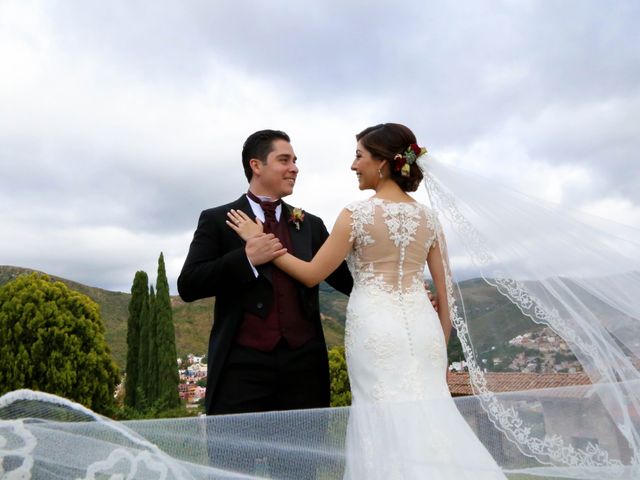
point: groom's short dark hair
(259, 145)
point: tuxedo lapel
(246, 207)
(300, 238)
(301, 242)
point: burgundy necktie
(269, 209)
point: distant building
(194, 359)
(458, 366)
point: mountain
(493, 320)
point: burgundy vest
(286, 318)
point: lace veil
(575, 274)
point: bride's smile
(366, 168)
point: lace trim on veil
(139, 453)
(550, 449)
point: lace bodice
(391, 241)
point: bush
(53, 341)
(340, 388)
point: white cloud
(120, 121)
(506, 161)
(620, 210)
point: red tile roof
(459, 383)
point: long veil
(575, 275)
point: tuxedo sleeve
(211, 267)
(341, 278)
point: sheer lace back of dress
(391, 241)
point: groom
(266, 348)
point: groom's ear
(256, 165)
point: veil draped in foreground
(574, 274)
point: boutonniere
(296, 217)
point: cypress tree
(152, 368)
(142, 391)
(168, 378)
(139, 286)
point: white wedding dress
(404, 423)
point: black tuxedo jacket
(217, 266)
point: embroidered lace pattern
(383, 347)
(386, 324)
(387, 263)
(26, 444)
(146, 459)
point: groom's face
(277, 177)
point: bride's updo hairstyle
(384, 142)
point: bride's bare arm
(329, 257)
(436, 267)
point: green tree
(202, 382)
(143, 397)
(340, 388)
(138, 289)
(454, 350)
(53, 340)
(152, 367)
(168, 378)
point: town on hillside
(193, 380)
(541, 352)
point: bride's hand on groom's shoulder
(243, 225)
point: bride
(395, 341)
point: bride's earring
(380, 174)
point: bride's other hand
(432, 298)
(243, 225)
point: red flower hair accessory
(403, 161)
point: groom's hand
(263, 248)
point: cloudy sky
(120, 121)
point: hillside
(192, 321)
(485, 308)
(492, 318)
